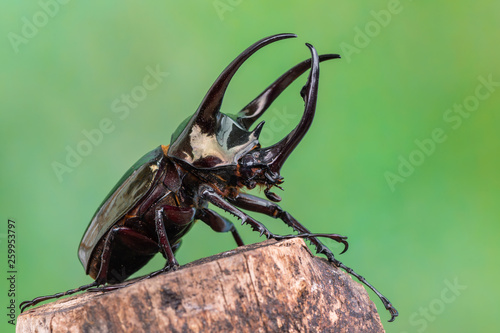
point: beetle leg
(103, 270)
(218, 223)
(37, 300)
(210, 195)
(101, 277)
(176, 213)
(259, 205)
(114, 287)
(163, 241)
(131, 238)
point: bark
(265, 287)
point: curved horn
(250, 113)
(276, 155)
(205, 115)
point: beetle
(212, 157)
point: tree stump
(264, 287)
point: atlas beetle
(211, 158)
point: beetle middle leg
(218, 223)
(163, 240)
(180, 217)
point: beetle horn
(209, 107)
(250, 113)
(276, 155)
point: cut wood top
(264, 287)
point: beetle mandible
(211, 158)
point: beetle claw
(346, 246)
(25, 304)
(392, 310)
(339, 239)
(173, 268)
(168, 268)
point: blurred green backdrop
(403, 156)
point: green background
(398, 80)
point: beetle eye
(247, 161)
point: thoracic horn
(206, 115)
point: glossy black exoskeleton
(210, 160)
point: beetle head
(211, 139)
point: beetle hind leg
(133, 250)
(136, 243)
(180, 216)
(163, 245)
(35, 301)
(107, 273)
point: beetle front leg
(210, 195)
(259, 205)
